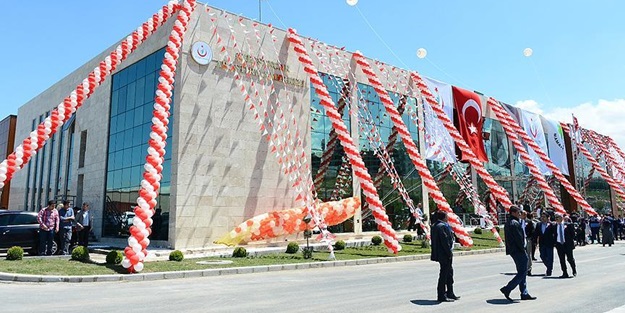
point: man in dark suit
(528, 230)
(442, 246)
(565, 236)
(545, 232)
(84, 223)
(515, 248)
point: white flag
(555, 141)
(534, 128)
(439, 146)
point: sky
(576, 67)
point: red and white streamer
(358, 166)
(503, 114)
(513, 131)
(500, 193)
(595, 164)
(138, 241)
(600, 146)
(413, 153)
(63, 112)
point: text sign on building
(247, 64)
(201, 53)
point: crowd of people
(525, 232)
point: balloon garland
(63, 112)
(512, 128)
(386, 229)
(411, 148)
(500, 193)
(595, 164)
(138, 241)
(600, 147)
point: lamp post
(307, 253)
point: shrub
(407, 238)
(15, 254)
(114, 257)
(239, 252)
(339, 245)
(292, 248)
(376, 240)
(477, 231)
(307, 252)
(176, 255)
(81, 254)
(425, 244)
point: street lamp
(307, 252)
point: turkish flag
(469, 121)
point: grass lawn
(59, 266)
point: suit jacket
(529, 229)
(442, 242)
(80, 220)
(515, 239)
(548, 238)
(569, 236)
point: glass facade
(320, 132)
(132, 102)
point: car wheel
(55, 247)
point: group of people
(523, 236)
(603, 229)
(63, 219)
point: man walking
(515, 247)
(528, 232)
(442, 247)
(48, 219)
(565, 234)
(545, 232)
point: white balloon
(139, 267)
(132, 241)
(141, 255)
(527, 52)
(352, 2)
(126, 263)
(421, 53)
(137, 248)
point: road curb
(11, 277)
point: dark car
(20, 228)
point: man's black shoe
(548, 274)
(529, 273)
(527, 297)
(574, 273)
(565, 276)
(454, 297)
(444, 300)
(506, 293)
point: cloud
(605, 117)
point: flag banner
(497, 147)
(534, 128)
(439, 146)
(469, 121)
(555, 143)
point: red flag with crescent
(468, 119)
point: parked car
(20, 228)
(127, 219)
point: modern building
(220, 168)
(7, 138)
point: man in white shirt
(565, 235)
(84, 222)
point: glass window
(131, 112)
(24, 219)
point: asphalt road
(394, 287)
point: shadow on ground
(425, 302)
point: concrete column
(424, 190)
